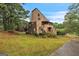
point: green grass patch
(29, 45)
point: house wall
(46, 26)
(35, 18)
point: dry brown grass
(12, 44)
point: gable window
(38, 18)
(38, 14)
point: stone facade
(39, 23)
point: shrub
(49, 34)
(45, 35)
(61, 32)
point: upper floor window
(38, 18)
(38, 14)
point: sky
(54, 12)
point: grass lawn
(29, 45)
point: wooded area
(12, 16)
(12, 19)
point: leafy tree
(72, 19)
(12, 13)
(58, 25)
(21, 25)
(1, 27)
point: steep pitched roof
(40, 13)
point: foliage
(1, 25)
(61, 32)
(51, 35)
(11, 13)
(72, 19)
(58, 25)
(21, 25)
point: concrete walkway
(69, 49)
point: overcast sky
(54, 12)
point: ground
(23, 45)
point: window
(49, 28)
(38, 18)
(38, 14)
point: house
(39, 23)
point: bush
(51, 34)
(61, 32)
(45, 35)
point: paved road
(2, 54)
(69, 49)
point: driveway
(69, 49)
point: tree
(12, 13)
(1, 27)
(58, 25)
(72, 19)
(21, 25)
